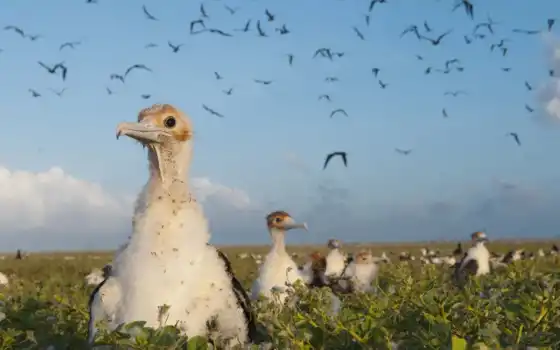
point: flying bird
(199, 23)
(136, 66)
(211, 111)
(245, 28)
(525, 31)
(269, 16)
(117, 77)
(373, 2)
(455, 93)
(175, 48)
(214, 31)
(528, 86)
(231, 11)
(16, 30)
(437, 40)
(59, 93)
(34, 93)
(290, 59)
(340, 110)
(145, 96)
(325, 97)
(259, 29)
(375, 71)
(358, 33)
(148, 15)
(263, 82)
(228, 92)
(550, 23)
(515, 137)
(55, 68)
(427, 27)
(203, 11)
(528, 108)
(444, 113)
(411, 29)
(218, 76)
(323, 52)
(34, 37)
(283, 30)
(382, 84)
(334, 154)
(150, 45)
(404, 152)
(467, 5)
(70, 44)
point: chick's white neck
(278, 240)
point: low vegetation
(45, 307)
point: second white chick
(361, 272)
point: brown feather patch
(276, 217)
(158, 113)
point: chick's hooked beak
(144, 132)
(290, 224)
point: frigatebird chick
(476, 261)
(335, 260)
(167, 273)
(361, 272)
(278, 272)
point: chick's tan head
(167, 117)
(363, 257)
(281, 220)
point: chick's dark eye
(170, 122)
(277, 220)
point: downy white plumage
(362, 271)
(476, 260)
(167, 274)
(336, 260)
(278, 271)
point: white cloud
(53, 210)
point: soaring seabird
(167, 273)
(278, 271)
(476, 260)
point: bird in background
(340, 154)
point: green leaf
(458, 343)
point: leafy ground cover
(45, 307)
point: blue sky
(267, 127)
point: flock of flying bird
(484, 30)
